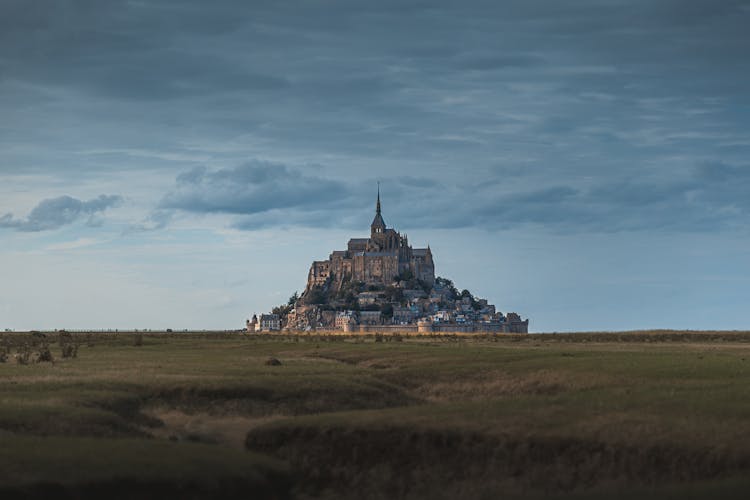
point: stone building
(251, 325)
(376, 260)
(370, 318)
(344, 319)
(263, 323)
(268, 323)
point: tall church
(376, 260)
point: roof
(378, 221)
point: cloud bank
(258, 194)
(597, 116)
(54, 213)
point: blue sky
(179, 164)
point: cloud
(53, 213)
(595, 111)
(707, 197)
(263, 194)
(75, 244)
(252, 188)
(156, 220)
(487, 62)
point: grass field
(634, 415)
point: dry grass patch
(497, 384)
(229, 430)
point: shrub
(70, 350)
(23, 355)
(44, 355)
(63, 337)
(273, 362)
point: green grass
(632, 415)
(69, 461)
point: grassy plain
(642, 414)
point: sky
(179, 164)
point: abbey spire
(378, 224)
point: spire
(377, 207)
(378, 224)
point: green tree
(448, 284)
(386, 310)
(394, 294)
(316, 295)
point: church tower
(378, 224)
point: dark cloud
(262, 195)
(252, 188)
(705, 198)
(498, 61)
(54, 213)
(595, 111)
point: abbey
(380, 283)
(377, 260)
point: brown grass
(499, 384)
(203, 427)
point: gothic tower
(378, 224)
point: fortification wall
(386, 329)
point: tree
(315, 296)
(386, 310)
(394, 294)
(283, 311)
(293, 299)
(448, 284)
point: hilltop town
(382, 283)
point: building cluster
(381, 282)
(263, 323)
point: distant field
(201, 415)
